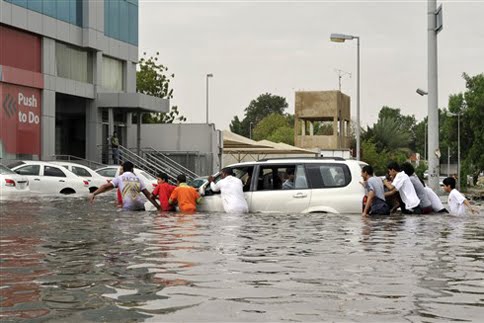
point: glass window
(49, 8)
(121, 20)
(73, 63)
(79, 171)
(112, 77)
(53, 171)
(277, 177)
(107, 172)
(328, 175)
(62, 10)
(29, 170)
(35, 5)
(5, 170)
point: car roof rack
(309, 158)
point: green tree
(390, 135)
(258, 109)
(470, 105)
(275, 127)
(153, 79)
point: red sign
(20, 113)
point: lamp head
(422, 92)
(340, 38)
(210, 75)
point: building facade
(68, 77)
(322, 120)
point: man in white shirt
(401, 183)
(231, 190)
(130, 186)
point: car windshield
(6, 171)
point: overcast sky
(253, 47)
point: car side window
(328, 175)
(53, 172)
(29, 170)
(281, 177)
(245, 175)
(79, 171)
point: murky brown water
(63, 260)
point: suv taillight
(86, 183)
(9, 182)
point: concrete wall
(203, 139)
(328, 106)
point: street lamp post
(341, 38)
(208, 76)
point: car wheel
(68, 191)
(92, 189)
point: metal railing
(78, 160)
(155, 165)
(169, 164)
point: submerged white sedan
(50, 178)
(11, 183)
(295, 185)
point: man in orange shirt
(186, 196)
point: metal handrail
(169, 162)
(78, 160)
(141, 163)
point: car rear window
(5, 171)
(107, 172)
(328, 175)
(79, 171)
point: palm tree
(389, 135)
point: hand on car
(210, 179)
(91, 197)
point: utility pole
(341, 73)
(434, 26)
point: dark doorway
(70, 125)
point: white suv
(295, 185)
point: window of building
(69, 11)
(112, 77)
(121, 20)
(73, 63)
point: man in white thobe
(231, 190)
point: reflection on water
(64, 260)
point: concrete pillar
(110, 121)
(311, 128)
(138, 133)
(303, 128)
(335, 130)
(93, 131)
(47, 125)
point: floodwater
(64, 260)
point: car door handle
(37, 179)
(299, 195)
(62, 181)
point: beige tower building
(322, 120)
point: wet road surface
(63, 260)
